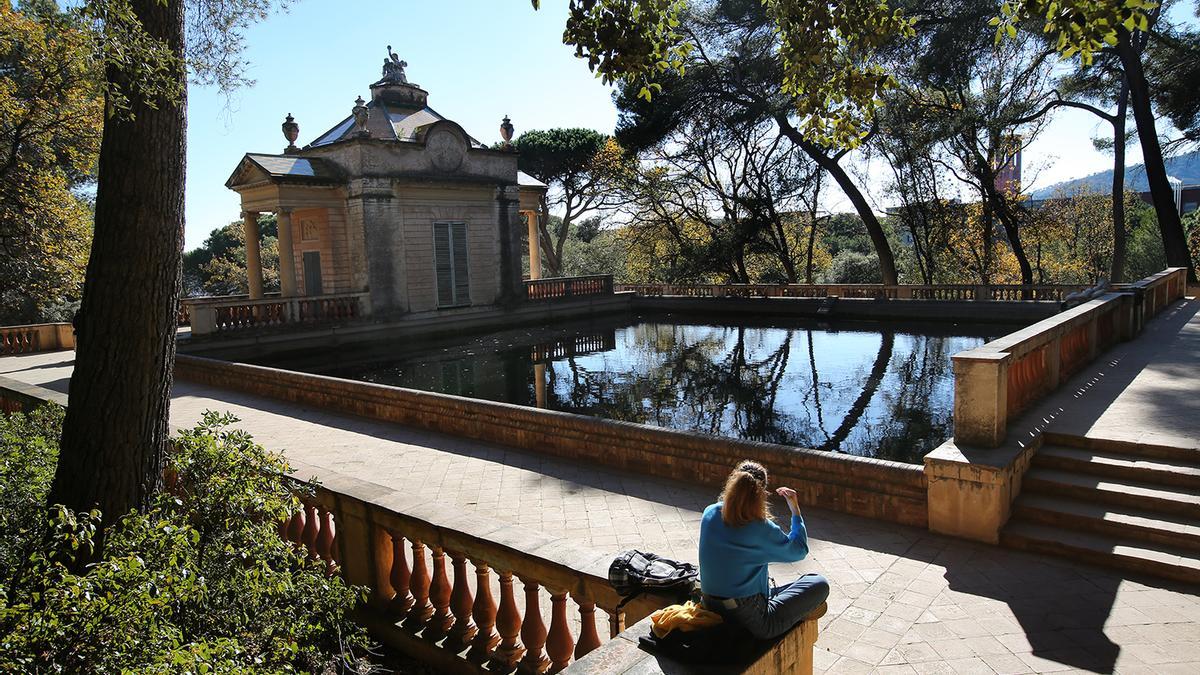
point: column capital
(250, 214)
(284, 210)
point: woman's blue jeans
(766, 618)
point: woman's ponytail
(744, 499)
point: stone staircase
(1128, 506)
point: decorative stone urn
(291, 131)
(506, 131)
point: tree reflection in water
(860, 388)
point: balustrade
(232, 315)
(39, 337)
(1003, 378)
(568, 287)
(420, 575)
(957, 292)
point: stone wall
(418, 208)
(860, 486)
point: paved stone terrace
(903, 600)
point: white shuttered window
(450, 254)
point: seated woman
(737, 540)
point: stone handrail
(446, 614)
(1041, 292)
(37, 337)
(996, 382)
(226, 316)
(555, 288)
(790, 654)
(862, 486)
(1157, 291)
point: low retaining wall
(17, 396)
(861, 486)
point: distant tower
(1008, 166)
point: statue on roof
(393, 68)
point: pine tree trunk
(117, 418)
(1169, 224)
(1117, 274)
(887, 262)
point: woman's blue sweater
(733, 560)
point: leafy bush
(202, 582)
(851, 267)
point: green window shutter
(444, 264)
(450, 261)
(462, 279)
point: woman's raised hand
(789, 495)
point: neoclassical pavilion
(396, 201)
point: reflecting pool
(854, 387)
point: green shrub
(851, 267)
(200, 583)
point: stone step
(1116, 521)
(1161, 561)
(1119, 491)
(1158, 471)
(1186, 455)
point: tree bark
(1117, 274)
(808, 253)
(1169, 223)
(116, 426)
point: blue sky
(479, 59)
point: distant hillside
(1184, 167)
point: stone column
(539, 384)
(372, 211)
(535, 251)
(287, 255)
(254, 276)
(512, 287)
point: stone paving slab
(903, 599)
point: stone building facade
(396, 201)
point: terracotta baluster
(325, 540)
(589, 639)
(508, 624)
(403, 600)
(464, 629)
(559, 643)
(310, 529)
(295, 529)
(421, 610)
(533, 631)
(439, 595)
(484, 613)
(382, 591)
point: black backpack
(634, 572)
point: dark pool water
(861, 388)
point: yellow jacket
(686, 617)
